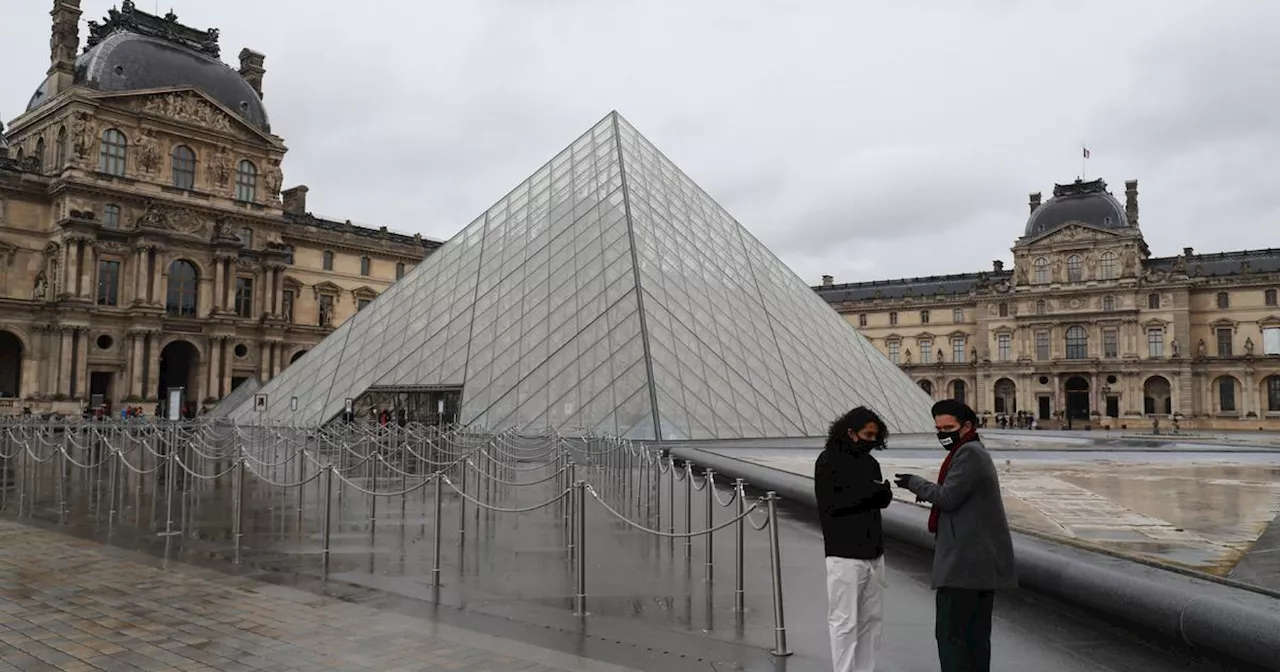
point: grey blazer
(973, 548)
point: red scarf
(942, 476)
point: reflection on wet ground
(653, 602)
(1199, 511)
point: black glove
(903, 480)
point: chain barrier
(274, 480)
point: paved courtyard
(70, 604)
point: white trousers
(855, 612)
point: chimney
(828, 281)
(1187, 251)
(251, 68)
(1131, 202)
(1035, 201)
(63, 46)
(997, 266)
(295, 200)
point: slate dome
(135, 51)
(1086, 202)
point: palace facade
(1088, 325)
(145, 238)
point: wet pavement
(651, 603)
(1202, 511)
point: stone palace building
(145, 238)
(1088, 325)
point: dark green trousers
(963, 629)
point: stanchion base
(783, 654)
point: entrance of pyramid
(401, 405)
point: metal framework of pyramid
(607, 292)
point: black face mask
(949, 440)
(863, 444)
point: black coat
(849, 502)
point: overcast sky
(865, 140)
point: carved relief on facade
(188, 108)
(147, 151)
(220, 168)
(180, 220)
(1130, 267)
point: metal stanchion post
(580, 593)
(462, 502)
(111, 512)
(302, 488)
(739, 539)
(688, 508)
(671, 497)
(237, 521)
(775, 567)
(328, 515)
(435, 548)
(709, 537)
(569, 530)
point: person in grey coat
(973, 554)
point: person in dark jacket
(973, 554)
(851, 492)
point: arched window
(1041, 271)
(1226, 394)
(1108, 303)
(41, 160)
(112, 152)
(327, 260)
(1077, 343)
(246, 182)
(183, 289)
(111, 216)
(1073, 269)
(1004, 310)
(1040, 307)
(1224, 301)
(60, 149)
(184, 167)
(1107, 266)
(927, 386)
(924, 317)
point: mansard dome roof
(1085, 202)
(135, 51)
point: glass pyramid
(607, 292)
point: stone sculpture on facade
(274, 179)
(1173, 348)
(1248, 346)
(148, 150)
(220, 168)
(85, 131)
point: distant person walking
(973, 554)
(851, 491)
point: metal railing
(305, 476)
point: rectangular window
(862, 320)
(108, 283)
(110, 216)
(1042, 346)
(1110, 343)
(1, 209)
(926, 352)
(895, 347)
(365, 265)
(1269, 296)
(1153, 301)
(362, 304)
(244, 297)
(1155, 342)
(1271, 341)
(1004, 347)
(246, 238)
(957, 350)
(327, 261)
(1227, 394)
(400, 272)
(286, 305)
(1224, 342)
(957, 315)
(893, 319)
(1224, 300)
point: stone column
(1248, 392)
(151, 339)
(278, 291)
(137, 364)
(69, 266)
(277, 358)
(227, 357)
(139, 274)
(82, 363)
(228, 297)
(88, 259)
(265, 350)
(214, 378)
(157, 279)
(218, 281)
(64, 360)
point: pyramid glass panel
(605, 293)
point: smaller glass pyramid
(607, 292)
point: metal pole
(569, 529)
(775, 566)
(328, 514)
(462, 503)
(739, 540)
(111, 513)
(580, 596)
(709, 537)
(302, 490)
(688, 508)
(238, 521)
(435, 549)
